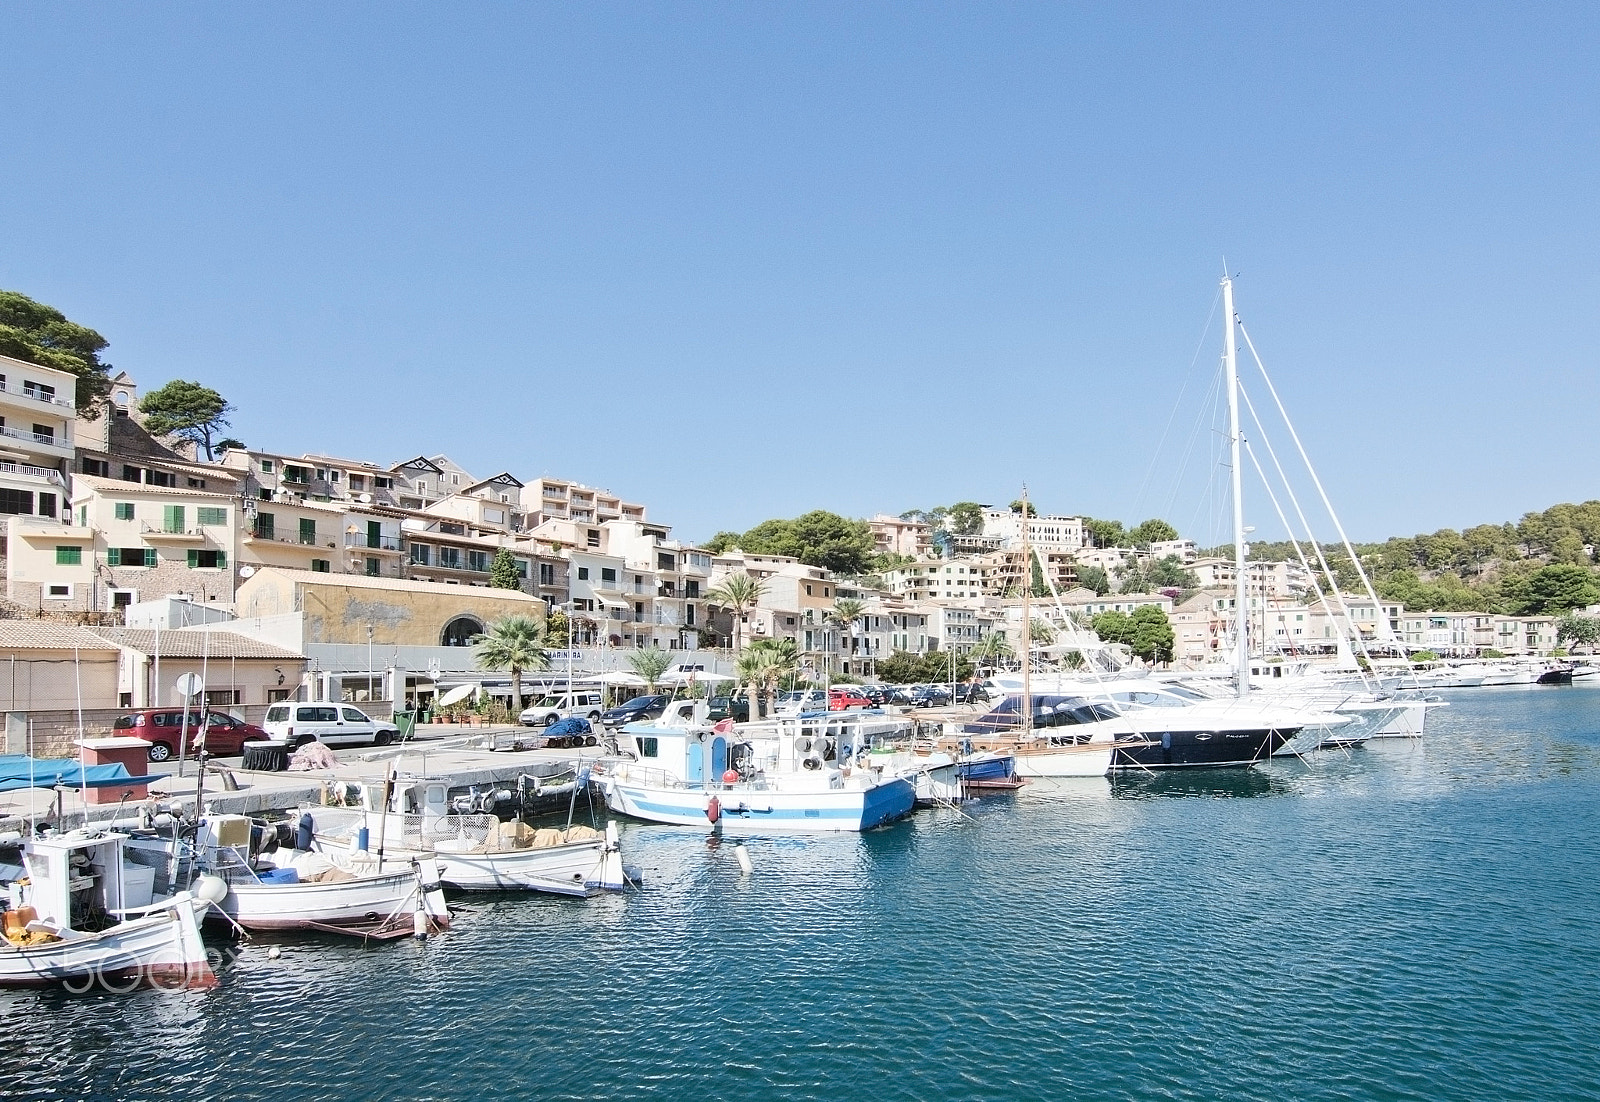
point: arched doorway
(460, 631)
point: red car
(163, 729)
(841, 700)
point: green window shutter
(69, 556)
(194, 558)
(172, 517)
(222, 559)
(149, 556)
(206, 515)
(124, 510)
(308, 530)
(113, 556)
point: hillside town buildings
(320, 573)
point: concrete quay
(462, 759)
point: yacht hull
(1201, 749)
(745, 810)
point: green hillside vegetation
(1542, 565)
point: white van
(327, 721)
(582, 703)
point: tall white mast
(1241, 614)
(1027, 622)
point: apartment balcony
(53, 443)
(172, 535)
(392, 545)
(31, 473)
(32, 397)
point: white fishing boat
(682, 770)
(474, 852)
(80, 916)
(280, 889)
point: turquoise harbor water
(1405, 922)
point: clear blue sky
(742, 261)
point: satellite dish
(246, 571)
(364, 498)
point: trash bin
(265, 757)
(424, 715)
(406, 724)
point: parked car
(929, 696)
(843, 699)
(163, 729)
(639, 708)
(585, 703)
(797, 703)
(570, 734)
(874, 693)
(722, 707)
(326, 721)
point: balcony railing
(35, 437)
(46, 473)
(379, 543)
(34, 394)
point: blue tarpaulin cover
(17, 772)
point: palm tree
(740, 592)
(650, 663)
(1042, 631)
(992, 648)
(845, 613)
(514, 643)
(752, 671)
(781, 660)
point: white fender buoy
(419, 921)
(212, 889)
(744, 858)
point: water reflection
(1214, 784)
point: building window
(97, 467)
(666, 562)
(123, 510)
(320, 566)
(132, 474)
(172, 518)
(383, 483)
(358, 482)
(47, 505)
(44, 434)
(159, 478)
(547, 573)
(42, 391)
(688, 615)
(450, 557)
(808, 591)
(16, 502)
(293, 473)
(265, 528)
(130, 556)
(592, 537)
(691, 588)
(583, 573)
(607, 574)
(477, 560)
(266, 466)
(420, 553)
(372, 567)
(211, 516)
(60, 592)
(201, 558)
(196, 483)
(69, 556)
(308, 530)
